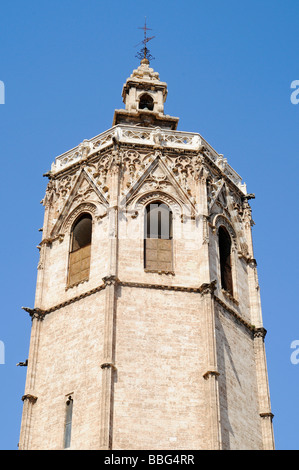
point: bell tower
(147, 329)
(144, 96)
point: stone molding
(235, 314)
(221, 220)
(88, 207)
(172, 273)
(205, 288)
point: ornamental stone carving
(70, 219)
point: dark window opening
(225, 260)
(146, 102)
(82, 232)
(79, 258)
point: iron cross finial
(144, 53)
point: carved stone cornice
(159, 286)
(247, 197)
(40, 314)
(210, 373)
(208, 288)
(131, 136)
(251, 262)
(111, 280)
(108, 365)
(37, 313)
(107, 280)
(267, 414)
(31, 398)
(260, 332)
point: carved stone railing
(146, 136)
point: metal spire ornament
(144, 53)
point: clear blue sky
(228, 66)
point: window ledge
(159, 271)
(229, 296)
(76, 284)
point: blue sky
(229, 67)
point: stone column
(259, 335)
(211, 373)
(43, 247)
(29, 401)
(30, 397)
(108, 366)
(111, 282)
(202, 204)
(253, 284)
(263, 390)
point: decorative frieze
(126, 134)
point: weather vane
(144, 53)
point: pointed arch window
(146, 102)
(158, 237)
(79, 257)
(225, 260)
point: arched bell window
(225, 260)
(158, 237)
(146, 102)
(79, 257)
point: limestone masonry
(147, 329)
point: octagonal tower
(147, 330)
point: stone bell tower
(147, 330)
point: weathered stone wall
(68, 362)
(239, 411)
(158, 394)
